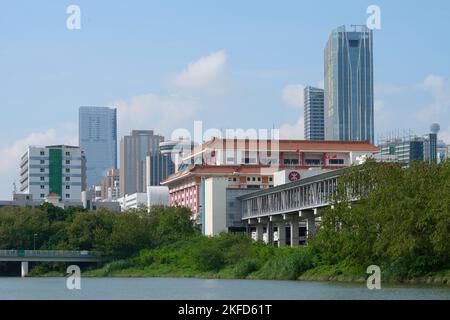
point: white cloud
(321, 84)
(293, 95)
(293, 131)
(202, 73)
(445, 136)
(11, 154)
(439, 88)
(155, 111)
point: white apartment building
(53, 170)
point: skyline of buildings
(98, 139)
(349, 87)
(345, 106)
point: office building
(443, 151)
(53, 170)
(251, 164)
(141, 163)
(110, 185)
(98, 139)
(410, 148)
(314, 114)
(349, 97)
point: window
(42, 153)
(42, 187)
(253, 179)
(336, 161)
(312, 162)
(67, 187)
(67, 161)
(67, 170)
(248, 178)
(270, 179)
(42, 178)
(42, 170)
(67, 153)
(42, 195)
(353, 43)
(291, 161)
(67, 196)
(259, 178)
(234, 179)
(67, 178)
(42, 161)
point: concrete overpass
(26, 256)
(276, 214)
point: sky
(230, 64)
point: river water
(201, 289)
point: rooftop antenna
(14, 188)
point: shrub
(116, 265)
(245, 267)
(208, 258)
(288, 266)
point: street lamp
(34, 241)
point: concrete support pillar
(259, 232)
(310, 217)
(295, 236)
(24, 269)
(269, 231)
(310, 227)
(281, 235)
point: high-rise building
(349, 98)
(314, 114)
(53, 170)
(98, 139)
(138, 152)
(430, 153)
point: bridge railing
(47, 253)
(317, 191)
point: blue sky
(231, 64)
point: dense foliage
(115, 235)
(401, 221)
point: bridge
(287, 214)
(26, 256)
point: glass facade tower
(349, 99)
(314, 114)
(98, 139)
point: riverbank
(317, 274)
(237, 257)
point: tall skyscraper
(53, 170)
(141, 160)
(98, 139)
(349, 99)
(314, 114)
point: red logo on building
(294, 176)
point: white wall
(157, 196)
(215, 206)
